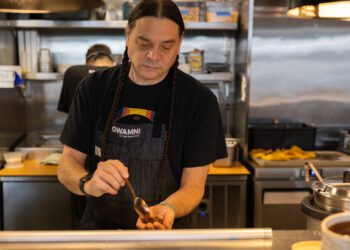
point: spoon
(308, 165)
(141, 206)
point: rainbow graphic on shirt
(126, 111)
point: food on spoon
(294, 153)
(151, 219)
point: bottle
(127, 7)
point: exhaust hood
(47, 6)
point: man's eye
(145, 45)
(167, 47)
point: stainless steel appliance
(330, 195)
(280, 188)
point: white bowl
(13, 157)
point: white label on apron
(98, 151)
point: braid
(170, 126)
(118, 92)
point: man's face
(153, 45)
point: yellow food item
(294, 153)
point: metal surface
(43, 76)
(96, 24)
(281, 240)
(332, 195)
(274, 215)
(286, 180)
(242, 63)
(42, 6)
(223, 204)
(137, 235)
(299, 72)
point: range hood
(47, 6)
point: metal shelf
(93, 24)
(213, 77)
(203, 77)
(43, 76)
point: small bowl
(13, 157)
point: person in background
(98, 56)
(144, 121)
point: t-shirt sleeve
(205, 140)
(78, 129)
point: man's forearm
(186, 199)
(69, 173)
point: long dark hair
(159, 9)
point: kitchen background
(281, 69)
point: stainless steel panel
(274, 215)
(281, 240)
(35, 205)
(300, 72)
(223, 204)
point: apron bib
(140, 147)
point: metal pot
(331, 195)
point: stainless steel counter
(280, 240)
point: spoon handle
(130, 188)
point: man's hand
(165, 214)
(109, 177)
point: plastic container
(189, 11)
(281, 135)
(222, 11)
(8, 75)
(231, 145)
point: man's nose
(154, 54)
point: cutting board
(323, 158)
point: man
(147, 122)
(98, 56)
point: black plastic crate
(281, 135)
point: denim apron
(140, 147)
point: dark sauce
(342, 228)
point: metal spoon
(141, 207)
(308, 165)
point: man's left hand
(165, 214)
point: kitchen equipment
(323, 158)
(279, 189)
(8, 75)
(275, 134)
(40, 6)
(330, 195)
(336, 232)
(231, 146)
(140, 205)
(217, 67)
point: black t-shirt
(72, 77)
(197, 137)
